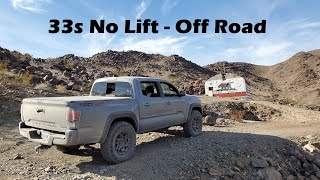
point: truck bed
(50, 113)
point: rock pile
(238, 111)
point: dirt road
(221, 152)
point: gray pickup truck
(115, 111)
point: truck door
(175, 105)
(152, 106)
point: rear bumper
(69, 138)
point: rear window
(116, 89)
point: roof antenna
(223, 71)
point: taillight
(73, 115)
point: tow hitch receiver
(40, 146)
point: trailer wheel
(194, 125)
(120, 143)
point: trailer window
(117, 89)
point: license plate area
(39, 134)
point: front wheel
(120, 143)
(194, 125)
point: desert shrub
(120, 72)
(175, 81)
(25, 78)
(42, 86)
(3, 65)
(236, 115)
(21, 56)
(287, 100)
(7, 77)
(88, 86)
(61, 88)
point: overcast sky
(292, 26)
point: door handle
(147, 104)
(40, 110)
(168, 102)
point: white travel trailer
(228, 85)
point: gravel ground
(257, 150)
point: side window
(150, 89)
(169, 90)
(123, 89)
(118, 89)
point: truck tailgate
(44, 114)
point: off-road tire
(193, 127)
(68, 149)
(120, 143)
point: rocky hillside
(71, 72)
(295, 81)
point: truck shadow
(167, 157)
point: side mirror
(182, 93)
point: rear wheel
(68, 149)
(194, 125)
(120, 143)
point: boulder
(290, 177)
(61, 82)
(269, 173)
(73, 86)
(309, 147)
(18, 156)
(68, 56)
(36, 80)
(239, 164)
(259, 163)
(24, 64)
(54, 81)
(47, 77)
(82, 72)
(99, 75)
(58, 67)
(34, 69)
(67, 73)
(215, 170)
(210, 119)
(16, 70)
(316, 161)
(21, 72)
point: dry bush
(21, 56)
(61, 89)
(87, 86)
(7, 77)
(3, 65)
(120, 72)
(288, 100)
(42, 86)
(25, 78)
(236, 115)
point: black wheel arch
(125, 116)
(195, 106)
